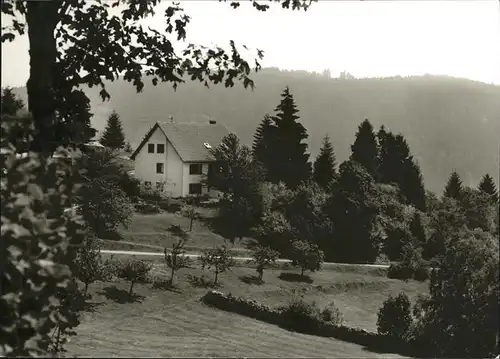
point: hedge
(256, 310)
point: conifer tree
(262, 148)
(454, 186)
(487, 185)
(365, 147)
(291, 161)
(113, 136)
(398, 166)
(325, 164)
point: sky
(366, 38)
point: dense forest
(451, 124)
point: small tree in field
(263, 256)
(89, 266)
(134, 271)
(176, 259)
(307, 256)
(217, 258)
(190, 212)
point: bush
(134, 271)
(400, 271)
(147, 207)
(331, 314)
(394, 317)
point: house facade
(175, 157)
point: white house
(175, 156)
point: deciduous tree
(74, 43)
(217, 258)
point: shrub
(400, 271)
(134, 271)
(394, 317)
(331, 314)
(147, 207)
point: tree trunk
(260, 270)
(216, 276)
(42, 18)
(131, 288)
(171, 281)
(86, 287)
(191, 225)
(302, 271)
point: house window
(159, 168)
(151, 148)
(159, 186)
(195, 169)
(147, 183)
(195, 188)
(160, 148)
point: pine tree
(262, 148)
(417, 230)
(365, 147)
(113, 136)
(453, 187)
(291, 161)
(398, 166)
(325, 164)
(487, 185)
(10, 104)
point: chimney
(212, 122)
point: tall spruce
(325, 165)
(291, 161)
(365, 147)
(454, 186)
(398, 166)
(487, 185)
(262, 148)
(113, 136)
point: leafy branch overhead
(92, 38)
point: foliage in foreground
(37, 249)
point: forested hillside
(450, 124)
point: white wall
(145, 165)
(174, 172)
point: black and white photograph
(250, 178)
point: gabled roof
(189, 139)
